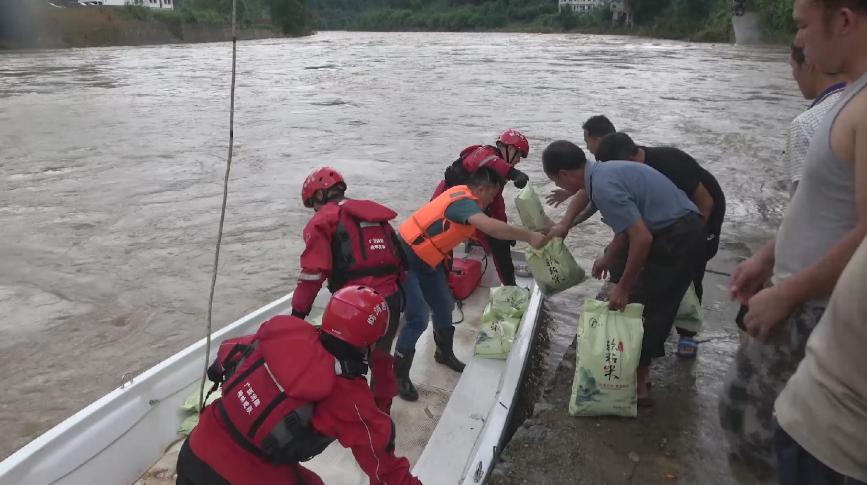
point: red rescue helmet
(322, 179)
(358, 315)
(516, 139)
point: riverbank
(57, 28)
(679, 440)
(701, 21)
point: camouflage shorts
(757, 376)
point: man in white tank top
(823, 225)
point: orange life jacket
(434, 249)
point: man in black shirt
(698, 184)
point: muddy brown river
(111, 164)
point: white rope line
(222, 211)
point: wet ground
(679, 440)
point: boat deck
(415, 421)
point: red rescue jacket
(471, 159)
(348, 242)
(313, 402)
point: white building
(165, 4)
(582, 6)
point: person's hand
(538, 240)
(767, 309)
(557, 197)
(748, 278)
(618, 297)
(601, 267)
(519, 178)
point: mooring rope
(222, 210)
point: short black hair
(563, 155)
(616, 146)
(859, 6)
(598, 126)
(798, 55)
(486, 176)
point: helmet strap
(351, 361)
(352, 369)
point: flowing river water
(111, 164)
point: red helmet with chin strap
(358, 315)
(322, 179)
(516, 139)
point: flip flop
(687, 348)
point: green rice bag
(690, 315)
(607, 359)
(530, 209)
(500, 321)
(553, 267)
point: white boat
(451, 434)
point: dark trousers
(501, 252)
(193, 471)
(677, 256)
(710, 248)
(796, 466)
(395, 308)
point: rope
(222, 211)
(719, 273)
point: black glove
(519, 178)
(297, 314)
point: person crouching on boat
(290, 390)
(428, 236)
(510, 148)
(350, 242)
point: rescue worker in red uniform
(290, 390)
(511, 147)
(350, 242)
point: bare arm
(640, 240)
(751, 275)
(585, 214)
(703, 201)
(616, 246)
(578, 203)
(602, 265)
(577, 207)
(506, 232)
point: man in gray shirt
(823, 225)
(662, 228)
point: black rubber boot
(444, 353)
(402, 364)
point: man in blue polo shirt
(662, 228)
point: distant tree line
(693, 19)
(290, 16)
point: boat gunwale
(43, 442)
